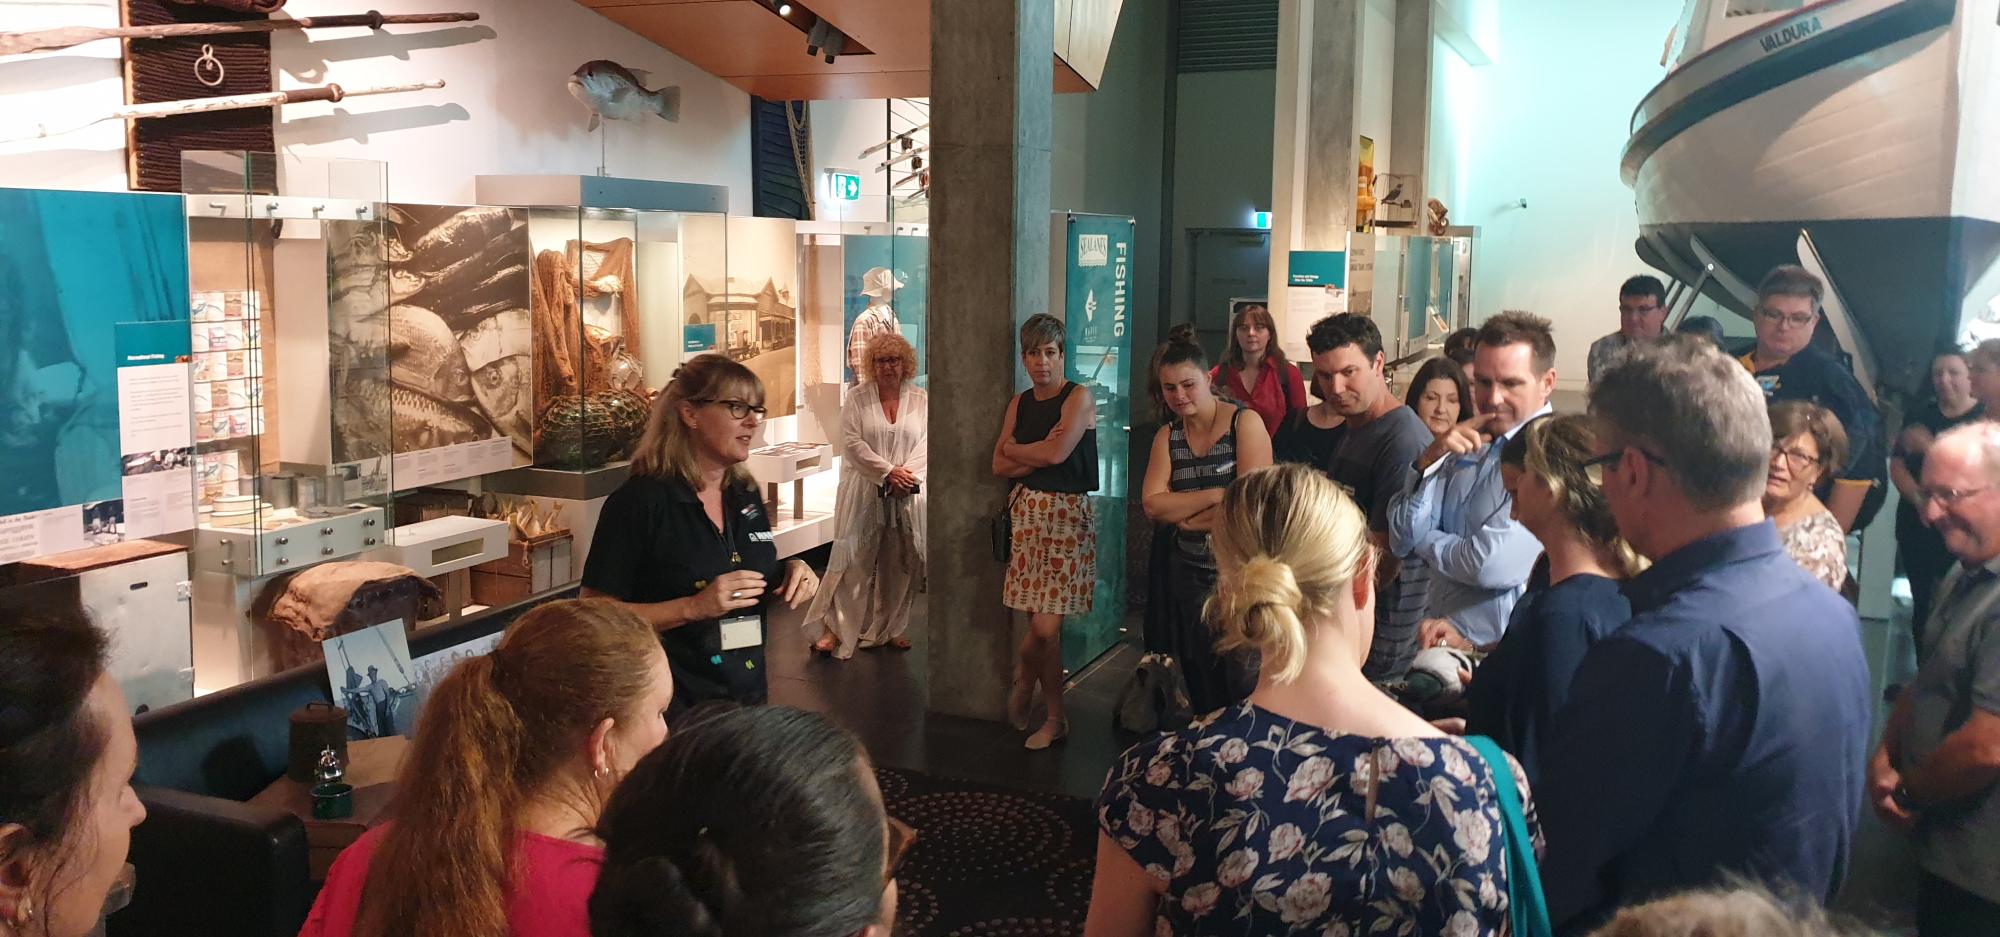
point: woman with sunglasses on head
(686, 541)
(1573, 597)
(1807, 442)
(758, 822)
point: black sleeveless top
(1032, 421)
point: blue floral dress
(1263, 825)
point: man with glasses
(1642, 317)
(1789, 368)
(1937, 771)
(1724, 729)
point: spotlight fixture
(784, 9)
(826, 40)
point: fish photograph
(430, 335)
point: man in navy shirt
(1724, 730)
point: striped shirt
(1215, 468)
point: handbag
(1526, 904)
(1154, 698)
(1001, 529)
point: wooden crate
(531, 567)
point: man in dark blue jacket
(1724, 730)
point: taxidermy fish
(615, 92)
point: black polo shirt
(655, 543)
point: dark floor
(879, 696)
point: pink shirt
(561, 874)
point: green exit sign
(845, 186)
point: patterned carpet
(990, 862)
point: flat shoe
(1051, 732)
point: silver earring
(24, 913)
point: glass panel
(1096, 275)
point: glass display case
(864, 269)
(1090, 277)
(290, 300)
(1418, 289)
(292, 469)
(628, 278)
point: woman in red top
(515, 755)
(1254, 374)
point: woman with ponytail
(1320, 805)
(758, 822)
(1573, 596)
(1204, 445)
(515, 755)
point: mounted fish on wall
(613, 92)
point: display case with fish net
(614, 262)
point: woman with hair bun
(1573, 596)
(1320, 805)
(515, 755)
(1204, 445)
(758, 822)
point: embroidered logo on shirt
(760, 536)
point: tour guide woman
(686, 542)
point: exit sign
(844, 186)
(1261, 220)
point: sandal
(826, 645)
(900, 643)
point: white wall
(505, 107)
(840, 131)
(1547, 122)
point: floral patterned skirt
(1052, 568)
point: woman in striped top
(1204, 446)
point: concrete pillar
(1314, 142)
(992, 101)
(1410, 98)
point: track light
(784, 9)
(824, 39)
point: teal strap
(1525, 902)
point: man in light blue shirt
(1455, 517)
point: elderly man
(1724, 729)
(1642, 317)
(1454, 516)
(1938, 768)
(1789, 368)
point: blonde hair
(495, 730)
(1289, 546)
(1555, 450)
(888, 343)
(1741, 910)
(665, 450)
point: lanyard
(729, 531)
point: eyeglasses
(901, 837)
(1946, 497)
(738, 409)
(1797, 320)
(1798, 460)
(889, 359)
(1616, 454)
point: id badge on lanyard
(742, 631)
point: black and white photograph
(104, 522)
(755, 308)
(450, 358)
(433, 667)
(159, 460)
(374, 680)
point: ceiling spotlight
(824, 39)
(784, 9)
